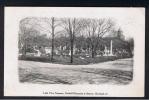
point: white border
(135, 25)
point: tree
(27, 32)
(80, 43)
(96, 29)
(53, 22)
(53, 35)
(120, 34)
(72, 27)
(131, 46)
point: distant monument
(109, 52)
(111, 47)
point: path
(112, 72)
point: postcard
(74, 51)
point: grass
(66, 59)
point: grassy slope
(66, 59)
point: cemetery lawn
(111, 72)
(66, 59)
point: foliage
(69, 35)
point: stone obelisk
(111, 47)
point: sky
(130, 20)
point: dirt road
(112, 72)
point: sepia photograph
(68, 51)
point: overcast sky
(131, 20)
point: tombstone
(64, 48)
(105, 51)
(69, 52)
(48, 50)
(38, 54)
(74, 49)
(81, 57)
(87, 56)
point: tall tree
(27, 32)
(72, 26)
(53, 22)
(120, 34)
(131, 46)
(53, 34)
(96, 29)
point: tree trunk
(72, 40)
(93, 51)
(52, 51)
(24, 49)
